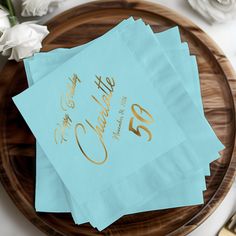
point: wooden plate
(78, 26)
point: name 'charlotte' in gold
(107, 88)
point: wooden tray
(78, 26)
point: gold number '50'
(139, 116)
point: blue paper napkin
(123, 77)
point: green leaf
(7, 4)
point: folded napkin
(56, 200)
(113, 123)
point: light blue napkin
(55, 200)
(40, 108)
(167, 39)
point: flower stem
(12, 15)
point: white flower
(38, 7)
(22, 40)
(4, 20)
(215, 10)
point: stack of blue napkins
(119, 125)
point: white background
(13, 223)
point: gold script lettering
(79, 125)
(67, 99)
(139, 117)
(60, 131)
(107, 88)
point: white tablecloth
(13, 223)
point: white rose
(38, 7)
(22, 40)
(215, 10)
(4, 20)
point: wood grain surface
(78, 26)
